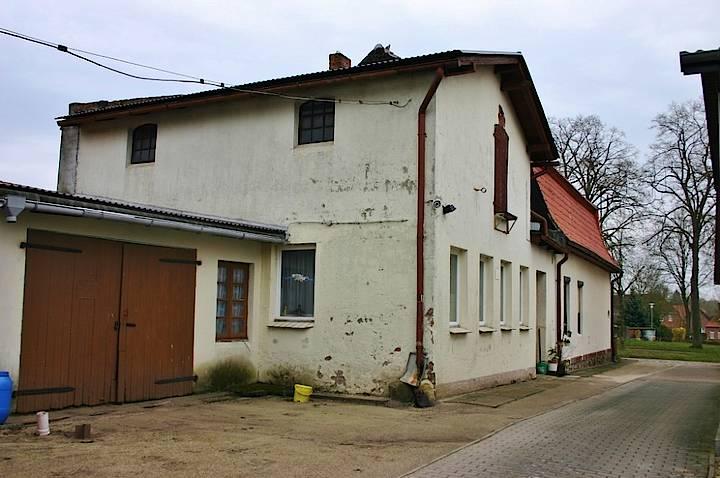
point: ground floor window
(297, 283)
(231, 314)
(580, 285)
(484, 288)
(524, 291)
(454, 297)
(505, 293)
(566, 304)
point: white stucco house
(335, 222)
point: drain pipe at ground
(558, 307)
(420, 232)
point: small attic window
(316, 122)
(143, 144)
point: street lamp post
(652, 321)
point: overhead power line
(187, 78)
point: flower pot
(542, 368)
(552, 367)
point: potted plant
(553, 360)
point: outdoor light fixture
(448, 208)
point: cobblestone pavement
(660, 426)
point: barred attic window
(143, 144)
(316, 122)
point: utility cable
(188, 78)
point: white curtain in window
(297, 289)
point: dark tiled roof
(79, 108)
(103, 204)
(573, 214)
(289, 81)
(510, 66)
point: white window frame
(523, 294)
(458, 287)
(278, 278)
(483, 265)
(505, 293)
(566, 317)
(581, 312)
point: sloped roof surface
(387, 62)
(127, 207)
(510, 66)
(573, 214)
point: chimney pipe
(339, 61)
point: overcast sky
(616, 59)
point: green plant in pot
(553, 360)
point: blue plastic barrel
(6, 387)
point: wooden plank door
(157, 322)
(68, 340)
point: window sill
(524, 328)
(316, 145)
(457, 330)
(506, 328)
(224, 341)
(292, 324)
(486, 330)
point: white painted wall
(467, 108)
(239, 159)
(354, 198)
(595, 334)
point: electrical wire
(188, 78)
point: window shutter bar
(29, 245)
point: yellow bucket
(302, 393)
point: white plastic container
(43, 424)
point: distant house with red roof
(710, 327)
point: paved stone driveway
(660, 426)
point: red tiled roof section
(572, 213)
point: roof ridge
(291, 79)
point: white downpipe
(40, 207)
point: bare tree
(602, 165)
(672, 253)
(681, 175)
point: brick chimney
(339, 61)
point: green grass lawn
(669, 351)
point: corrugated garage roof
(55, 197)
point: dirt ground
(219, 435)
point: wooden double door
(104, 322)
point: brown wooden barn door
(69, 341)
(156, 322)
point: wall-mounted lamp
(448, 208)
